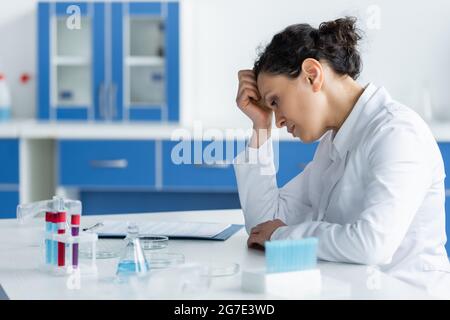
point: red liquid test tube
(61, 220)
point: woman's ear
(313, 72)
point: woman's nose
(280, 121)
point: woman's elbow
(375, 248)
(378, 253)
(377, 256)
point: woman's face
(295, 104)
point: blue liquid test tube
(54, 242)
(48, 242)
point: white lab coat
(373, 194)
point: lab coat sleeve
(260, 198)
(398, 177)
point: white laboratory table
(21, 277)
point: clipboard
(222, 236)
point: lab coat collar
(357, 120)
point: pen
(95, 226)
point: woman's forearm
(259, 137)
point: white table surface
(21, 277)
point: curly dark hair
(334, 41)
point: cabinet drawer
(105, 163)
(293, 156)
(9, 201)
(9, 155)
(200, 165)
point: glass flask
(132, 260)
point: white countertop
(21, 278)
(33, 129)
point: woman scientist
(374, 192)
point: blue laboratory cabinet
(9, 177)
(108, 61)
(116, 176)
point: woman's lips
(291, 129)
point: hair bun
(334, 42)
(343, 31)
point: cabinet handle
(101, 100)
(447, 192)
(114, 164)
(112, 101)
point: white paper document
(170, 229)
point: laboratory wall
(219, 37)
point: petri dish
(111, 248)
(222, 269)
(105, 249)
(153, 242)
(160, 260)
